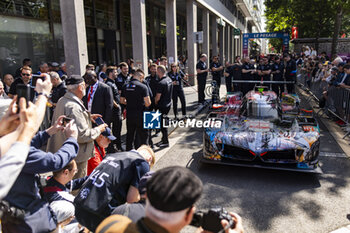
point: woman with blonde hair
(178, 91)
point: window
(89, 13)
(24, 38)
(32, 8)
(106, 14)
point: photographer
(25, 195)
(72, 106)
(171, 195)
(17, 144)
(15, 134)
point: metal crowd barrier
(262, 82)
(337, 99)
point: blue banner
(265, 35)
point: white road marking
(334, 155)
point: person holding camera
(72, 106)
(25, 194)
(14, 146)
(171, 195)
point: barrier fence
(337, 99)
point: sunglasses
(25, 74)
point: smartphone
(66, 120)
(35, 78)
(23, 91)
(99, 121)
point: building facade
(110, 31)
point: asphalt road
(270, 200)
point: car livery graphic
(262, 130)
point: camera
(66, 120)
(35, 78)
(24, 91)
(99, 121)
(211, 221)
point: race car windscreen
(262, 110)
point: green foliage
(314, 18)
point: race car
(263, 130)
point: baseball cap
(143, 181)
(173, 189)
(326, 63)
(108, 133)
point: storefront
(32, 29)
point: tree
(314, 18)
(341, 8)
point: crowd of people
(324, 77)
(89, 178)
(260, 69)
(93, 178)
(107, 91)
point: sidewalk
(338, 135)
(333, 128)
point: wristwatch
(46, 95)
